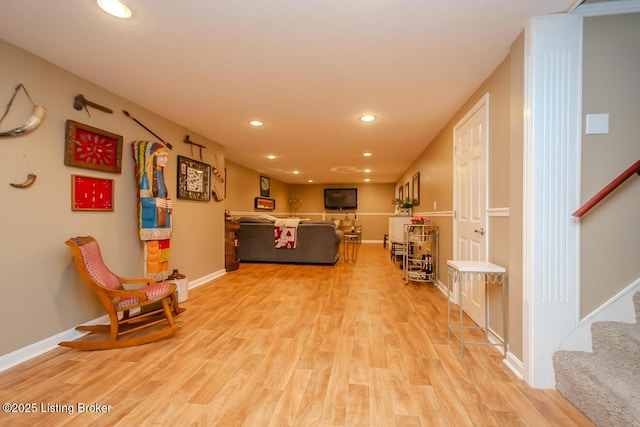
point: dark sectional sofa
(318, 242)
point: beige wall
(435, 165)
(374, 200)
(515, 291)
(42, 293)
(609, 234)
(35, 222)
(374, 205)
(243, 186)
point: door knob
(481, 231)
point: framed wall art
(265, 186)
(264, 203)
(91, 194)
(407, 195)
(194, 180)
(92, 148)
(415, 189)
(401, 192)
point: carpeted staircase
(605, 384)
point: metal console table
(476, 272)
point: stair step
(620, 341)
(607, 393)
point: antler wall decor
(37, 115)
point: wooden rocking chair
(119, 302)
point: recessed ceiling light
(256, 123)
(367, 154)
(367, 118)
(309, 180)
(296, 172)
(271, 157)
(367, 180)
(115, 8)
(367, 171)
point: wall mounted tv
(341, 198)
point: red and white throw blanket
(285, 232)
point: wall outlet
(435, 205)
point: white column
(552, 134)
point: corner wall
(435, 165)
(374, 200)
(42, 292)
(609, 233)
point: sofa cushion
(318, 222)
(318, 242)
(254, 220)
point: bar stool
(350, 243)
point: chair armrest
(147, 280)
(126, 293)
(139, 282)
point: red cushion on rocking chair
(153, 291)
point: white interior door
(470, 146)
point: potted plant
(403, 206)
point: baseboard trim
(36, 349)
(618, 308)
(514, 364)
(206, 279)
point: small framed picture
(265, 186)
(91, 194)
(264, 203)
(415, 189)
(194, 180)
(92, 148)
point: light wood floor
(287, 345)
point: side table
(231, 263)
(350, 242)
(476, 272)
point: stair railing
(635, 168)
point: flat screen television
(341, 198)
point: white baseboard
(23, 354)
(206, 279)
(514, 364)
(619, 308)
(36, 349)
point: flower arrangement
(294, 203)
(403, 203)
(419, 220)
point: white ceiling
(307, 68)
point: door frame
(482, 102)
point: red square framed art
(265, 203)
(91, 194)
(92, 148)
